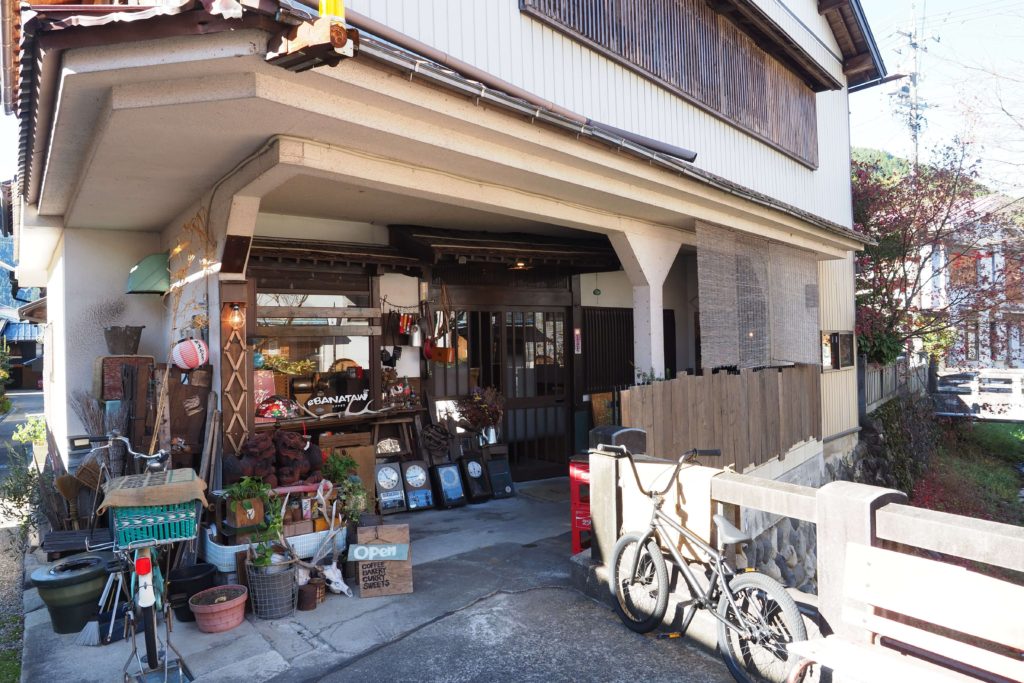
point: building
(982, 271)
(560, 194)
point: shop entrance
(521, 351)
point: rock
(790, 556)
(771, 569)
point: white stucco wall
(55, 393)
(86, 294)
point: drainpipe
(469, 71)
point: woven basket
(160, 523)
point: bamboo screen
(758, 301)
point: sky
(965, 42)
(972, 53)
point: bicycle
(756, 616)
(139, 532)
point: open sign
(379, 552)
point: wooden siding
(498, 38)
(752, 416)
(700, 55)
(838, 401)
(835, 291)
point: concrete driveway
(493, 601)
(24, 404)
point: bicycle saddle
(729, 534)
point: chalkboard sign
(384, 577)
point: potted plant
(482, 411)
(33, 431)
(271, 573)
(248, 500)
(340, 470)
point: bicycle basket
(159, 523)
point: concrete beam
(41, 235)
(845, 513)
(980, 540)
(647, 259)
(766, 495)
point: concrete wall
(86, 293)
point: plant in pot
(481, 412)
(33, 432)
(271, 572)
(340, 470)
(248, 500)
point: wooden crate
(390, 577)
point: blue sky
(966, 42)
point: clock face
(415, 476)
(387, 478)
(474, 469)
(449, 476)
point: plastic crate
(223, 556)
(160, 523)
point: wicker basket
(272, 590)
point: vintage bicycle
(756, 616)
(142, 534)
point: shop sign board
(381, 574)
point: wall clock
(390, 493)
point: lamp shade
(150, 275)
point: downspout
(469, 71)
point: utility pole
(908, 98)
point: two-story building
(558, 194)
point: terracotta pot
(219, 609)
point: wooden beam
(315, 312)
(858, 63)
(318, 330)
(829, 5)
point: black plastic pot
(71, 588)
(185, 582)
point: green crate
(160, 523)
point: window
(837, 350)
(971, 340)
(963, 270)
(313, 348)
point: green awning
(151, 275)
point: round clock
(415, 476)
(387, 478)
(474, 469)
(449, 476)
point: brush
(90, 635)
(68, 487)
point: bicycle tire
(777, 618)
(652, 584)
(152, 648)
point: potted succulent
(33, 431)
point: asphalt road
(26, 403)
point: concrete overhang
(168, 124)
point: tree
(919, 218)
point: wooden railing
(752, 416)
(688, 48)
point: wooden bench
(932, 597)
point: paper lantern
(189, 354)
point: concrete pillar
(647, 260)
(845, 513)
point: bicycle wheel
(641, 599)
(152, 649)
(770, 615)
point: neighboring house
(992, 262)
(521, 167)
(26, 353)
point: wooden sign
(384, 577)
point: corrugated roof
(21, 332)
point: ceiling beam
(858, 63)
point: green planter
(71, 588)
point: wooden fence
(884, 382)
(752, 416)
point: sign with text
(383, 557)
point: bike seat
(728, 534)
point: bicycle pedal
(669, 636)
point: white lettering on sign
(337, 400)
(379, 552)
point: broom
(90, 635)
(69, 487)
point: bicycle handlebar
(623, 451)
(114, 436)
